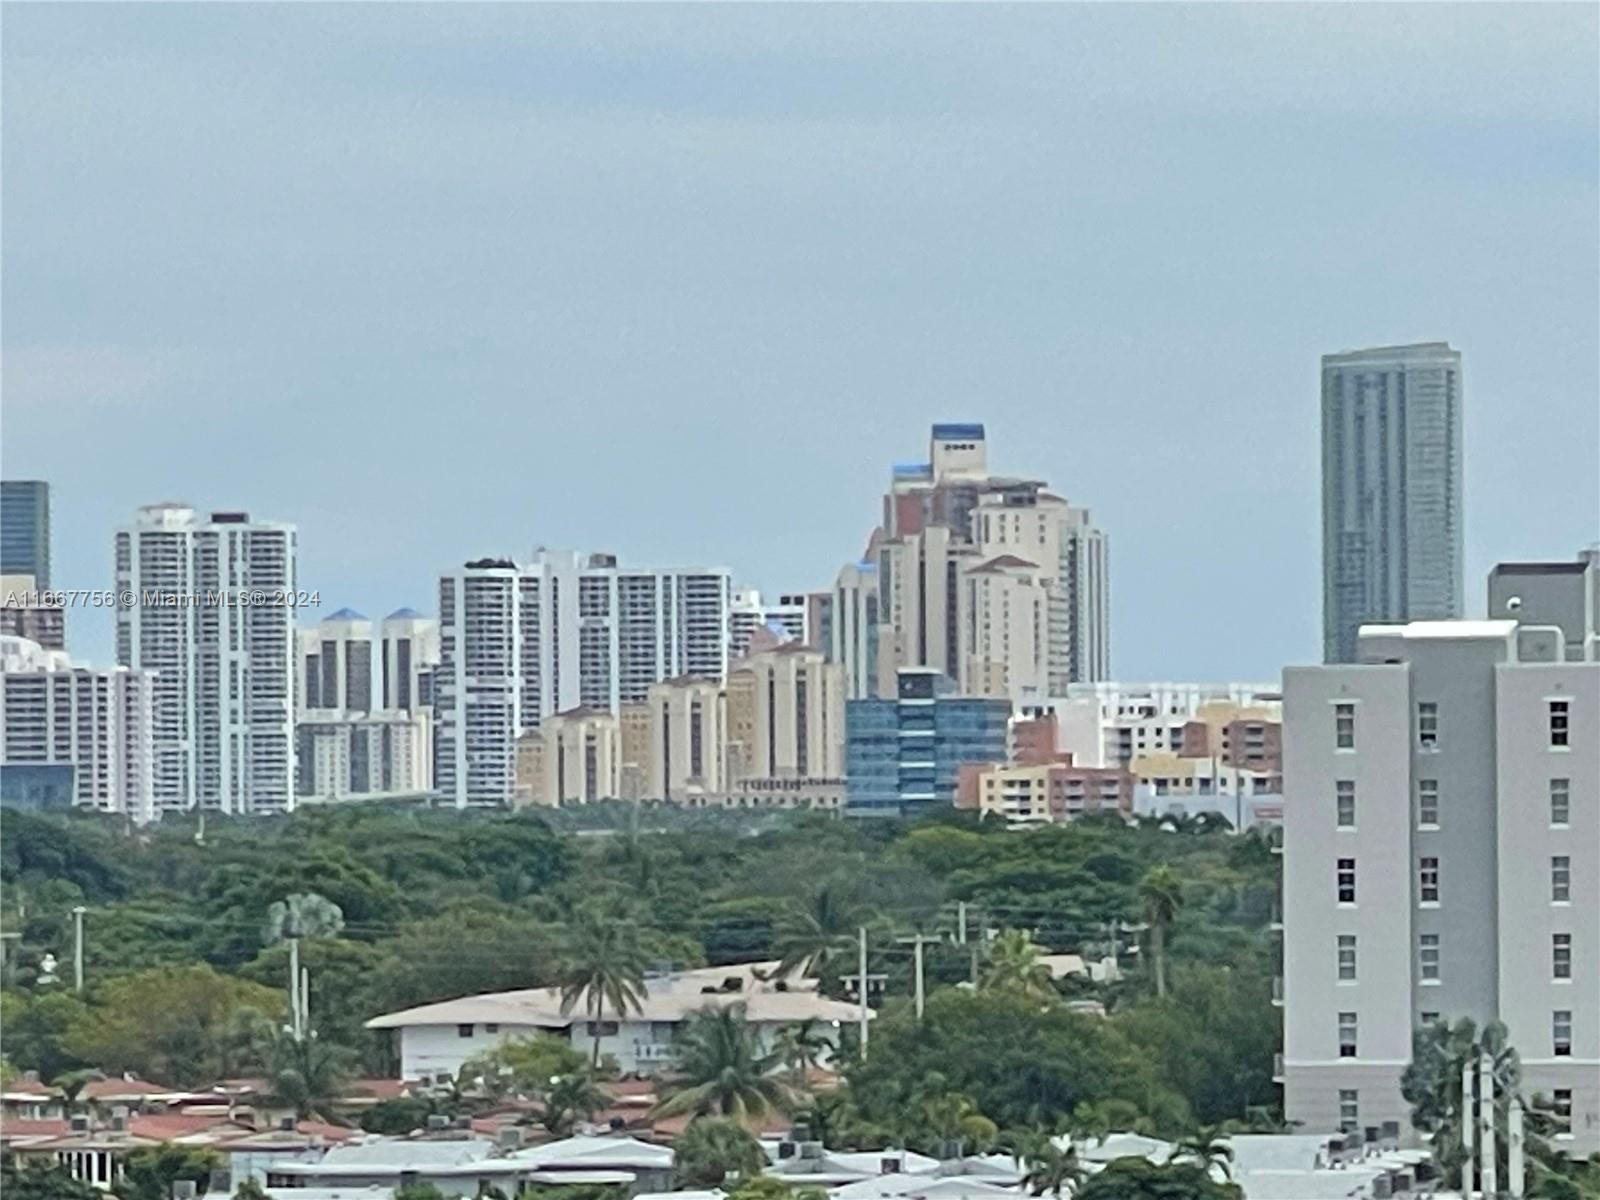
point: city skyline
(428, 349)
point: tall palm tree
(1016, 965)
(1207, 1149)
(720, 1069)
(801, 1046)
(815, 931)
(71, 1084)
(601, 963)
(1162, 896)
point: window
(1428, 957)
(1347, 1035)
(1430, 1018)
(1349, 1109)
(1344, 726)
(1560, 879)
(1560, 728)
(1344, 797)
(1428, 880)
(1427, 725)
(1560, 801)
(1561, 1032)
(1347, 956)
(1347, 880)
(1561, 1110)
(463, 1030)
(491, 1027)
(1428, 803)
(1561, 955)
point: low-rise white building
(436, 1039)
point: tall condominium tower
(1391, 489)
(25, 529)
(519, 642)
(96, 723)
(336, 663)
(210, 617)
(1441, 858)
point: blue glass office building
(902, 755)
(25, 529)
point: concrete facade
(1426, 875)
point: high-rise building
(789, 619)
(1005, 616)
(574, 757)
(853, 643)
(904, 755)
(1391, 490)
(24, 612)
(98, 722)
(1442, 861)
(688, 740)
(336, 664)
(213, 616)
(949, 514)
(344, 755)
(785, 715)
(408, 650)
(25, 530)
(519, 641)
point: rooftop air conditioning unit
(890, 1165)
(509, 1137)
(811, 1150)
(787, 1149)
(119, 1118)
(287, 1124)
(79, 1123)
(184, 1189)
(438, 1121)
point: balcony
(1277, 1067)
(1275, 921)
(1277, 991)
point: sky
(680, 283)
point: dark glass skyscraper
(25, 529)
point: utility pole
(918, 941)
(294, 988)
(861, 985)
(1489, 1172)
(77, 947)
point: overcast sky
(681, 283)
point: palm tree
(1016, 965)
(801, 1046)
(601, 963)
(72, 1083)
(571, 1096)
(811, 933)
(1050, 1168)
(303, 914)
(1207, 1149)
(1162, 895)
(308, 1075)
(720, 1069)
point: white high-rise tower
(212, 614)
